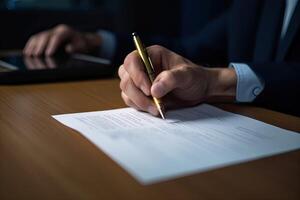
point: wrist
(222, 84)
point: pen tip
(161, 114)
(134, 34)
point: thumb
(167, 81)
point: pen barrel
(151, 76)
(158, 102)
(160, 107)
(149, 68)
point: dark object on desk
(17, 69)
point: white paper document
(191, 140)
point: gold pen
(149, 68)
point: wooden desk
(42, 159)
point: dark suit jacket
(193, 16)
(249, 32)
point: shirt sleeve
(249, 85)
(108, 45)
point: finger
(51, 64)
(121, 71)
(136, 70)
(128, 102)
(137, 96)
(29, 47)
(39, 63)
(55, 41)
(167, 81)
(41, 44)
(28, 62)
(58, 37)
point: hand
(179, 82)
(48, 42)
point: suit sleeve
(282, 86)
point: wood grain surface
(42, 159)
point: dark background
(21, 18)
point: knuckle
(44, 35)
(129, 59)
(121, 71)
(157, 48)
(32, 38)
(127, 68)
(62, 28)
(39, 35)
(120, 85)
(124, 84)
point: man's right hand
(179, 81)
(48, 42)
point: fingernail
(152, 110)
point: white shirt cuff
(108, 45)
(249, 85)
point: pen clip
(150, 61)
